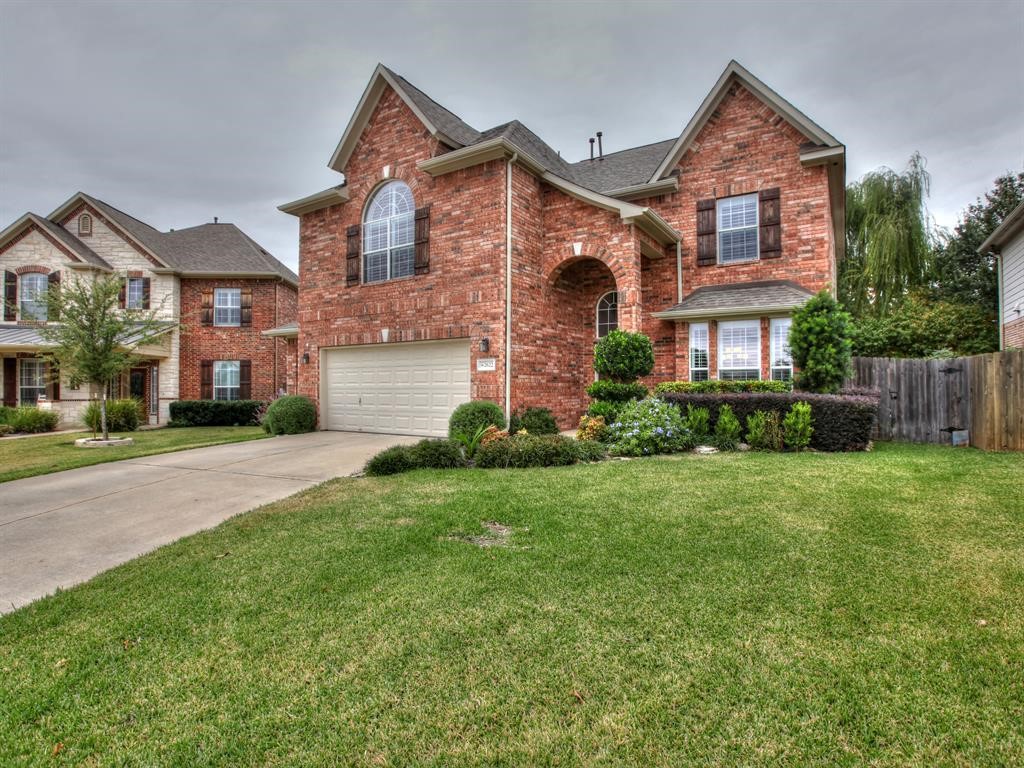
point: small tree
(623, 356)
(93, 338)
(819, 340)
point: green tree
(93, 339)
(819, 340)
(623, 357)
(961, 273)
(888, 244)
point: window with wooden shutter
(422, 240)
(10, 296)
(53, 382)
(246, 307)
(352, 255)
(207, 307)
(122, 296)
(245, 379)
(770, 217)
(145, 292)
(10, 382)
(206, 380)
(707, 245)
(53, 289)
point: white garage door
(404, 389)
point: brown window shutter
(10, 297)
(53, 382)
(245, 379)
(207, 315)
(121, 297)
(10, 382)
(206, 380)
(246, 313)
(707, 237)
(770, 218)
(145, 292)
(422, 240)
(53, 288)
(352, 255)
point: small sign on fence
(961, 437)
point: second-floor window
(227, 306)
(389, 234)
(135, 293)
(737, 229)
(32, 296)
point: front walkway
(61, 529)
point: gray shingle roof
(19, 335)
(444, 120)
(738, 298)
(621, 169)
(533, 145)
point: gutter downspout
(679, 271)
(508, 284)
(999, 284)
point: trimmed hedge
(720, 386)
(214, 413)
(391, 461)
(469, 417)
(437, 454)
(536, 421)
(528, 451)
(290, 415)
(841, 422)
(616, 391)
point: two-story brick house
(217, 290)
(455, 264)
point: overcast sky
(179, 112)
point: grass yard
(737, 609)
(30, 456)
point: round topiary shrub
(290, 415)
(438, 454)
(623, 356)
(536, 421)
(469, 417)
(391, 461)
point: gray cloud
(178, 112)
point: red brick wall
(273, 303)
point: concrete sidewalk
(61, 529)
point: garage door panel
(401, 388)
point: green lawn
(736, 609)
(29, 456)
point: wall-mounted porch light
(305, 358)
(485, 345)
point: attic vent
(84, 225)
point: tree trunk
(103, 414)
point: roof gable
(736, 72)
(69, 245)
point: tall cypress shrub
(819, 340)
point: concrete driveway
(61, 529)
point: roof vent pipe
(591, 149)
(600, 151)
(214, 219)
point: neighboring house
(455, 264)
(216, 288)
(1007, 243)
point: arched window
(85, 224)
(607, 313)
(389, 234)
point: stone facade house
(453, 264)
(216, 288)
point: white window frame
(406, 219)
(700, 372)
(134, 293)
(39, 377)
(231, 307)
(725, 202)
(733, 372)
(232, 371)
(608, 322)
(38, 296)
(783, 372)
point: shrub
(5, 429)
(606, 409)
(722, 385)
(528, 451)
(921, 327)
(617, 391)
(590, 450)
(29, 419)
(469, 417)
(536, 421)
(841, 422)
(796, 427)
(6, 414)
(819, 340)
(122, 415)
(592, 428)
(391, 461)
(647, 427)
(698, 421)
(623, 356)
(437, 454)
(471, 443)
(490, 434)
(727, 429)
(214, 413)
(290, 415)
(764, 433)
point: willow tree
(888, 241)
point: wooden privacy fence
(927, 401)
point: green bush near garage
(290, 415)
